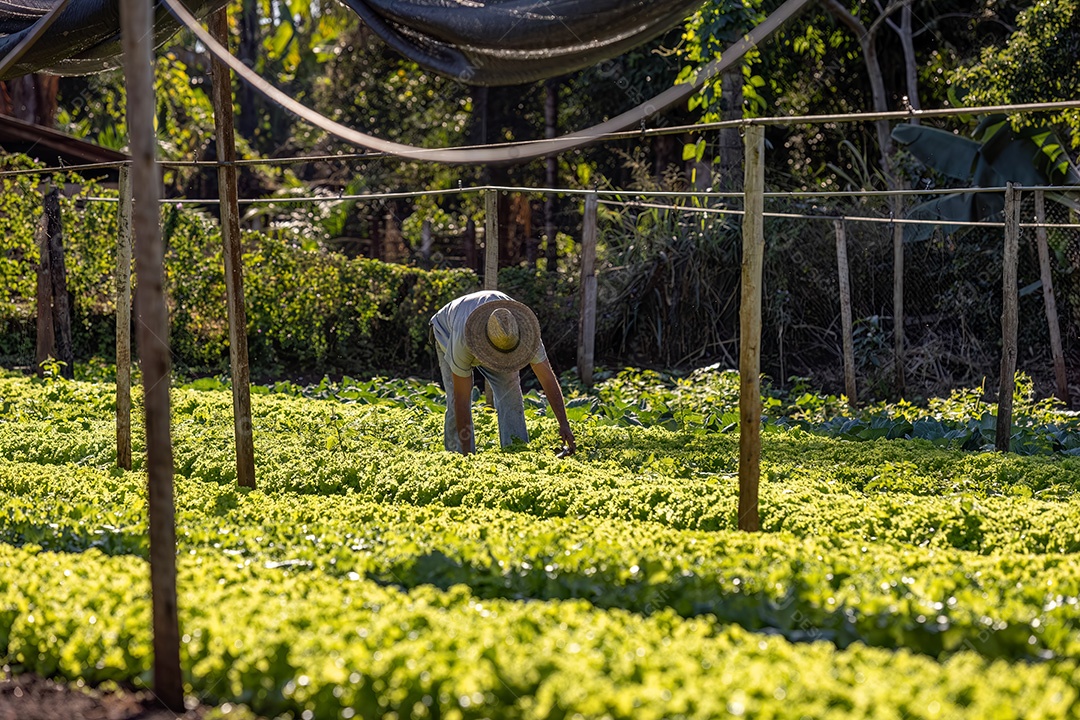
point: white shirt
(449, 326)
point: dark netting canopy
(505, 42)
(85, 38)
(480, 42)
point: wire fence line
(952, 282)
(687, 194)
(802, 324)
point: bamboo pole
(123, 323)
(1049, 303)
(898, 297)
(753, 252)
(587, 325)
(845, 312)
(136, 22)
(61, 307)
(1009, 316)
(491, 239)
(234, 265)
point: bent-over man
(498, 336)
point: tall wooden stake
(1009, 316)
(898, 296)
(753, 254)
(491, 240)
(61, 308)
(1049, 304)
(123, 323)
(587, 326)
(136, 23)
(234, 265)
(845, 312)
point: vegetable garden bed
(371, 573)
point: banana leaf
(995, 157)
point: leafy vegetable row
(346, 647)
(830, 587)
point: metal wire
(850, 218)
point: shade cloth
(84, 39)
(492, 42)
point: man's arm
(553, 391)
(463, 412)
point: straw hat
(504, 335)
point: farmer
(498, 336)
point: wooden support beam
(845, 312)
(61, 306)
(234, 265)
(753, 255)
(491, 240)
(1010, 300)
(587, 324)
(123, 323)
(136, 23)
(1049, 303)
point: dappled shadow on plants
(647, 589)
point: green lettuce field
(903, 571)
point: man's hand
(567, 436)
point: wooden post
(587, 326)
(1009, 315)
(491, 239)
(61, 307)
(1049, 303)
(845, 312)
(46, 337)
(123, 323)
(136, 22)
(234, 265)
(753, 254)
(898, 296)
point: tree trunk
(867, 37)
(729, 176)
(248, 53)
(30, 98)
(551, 107)
(61, 305)
(911, 70)
(46, 338)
